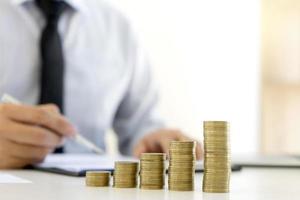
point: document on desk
(78, 164)
(8, 178)
(268, 161)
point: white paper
(79, 162)
(82, 162)
(8, 178)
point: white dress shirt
(108, 82)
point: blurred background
(234, 60)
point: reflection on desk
(248, 184)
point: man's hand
(159, 141)
(28, 133)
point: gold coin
(152, 187)
(97, 178)
(153, 156)
(217, 167)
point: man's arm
(137, 122)
(137, 114)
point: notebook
(78, 164)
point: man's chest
(96, 71)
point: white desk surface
(250, 183)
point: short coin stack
(97, 178)
(217, 167)
(152, 174)
(182, 165)
(125, 174)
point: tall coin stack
(125, 174)
(97, 178)
(217, 167)
(182, 165)
(152, 174)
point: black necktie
(52, 69)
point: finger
(183, 137)
(139, 148)
(28, 152)
(165, 143)
(28, 134)
(152, 143)
(38, 116)
(199, 152)
(14, 163)
(17, 163)
(50, 107)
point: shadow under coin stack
(152, 174)
(97, 178)
(182, 165)
(217, 167)
(125, 174)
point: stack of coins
(152, 174)
(217, 167)
(125, 174)
(182, 165)
(97, 178)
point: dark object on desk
(200, 169)
(268, 161)
(81, 173)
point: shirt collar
(77, 5)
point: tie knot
(52, 9)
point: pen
(6, 98)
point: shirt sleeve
(137, 114)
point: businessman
(79, 63)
